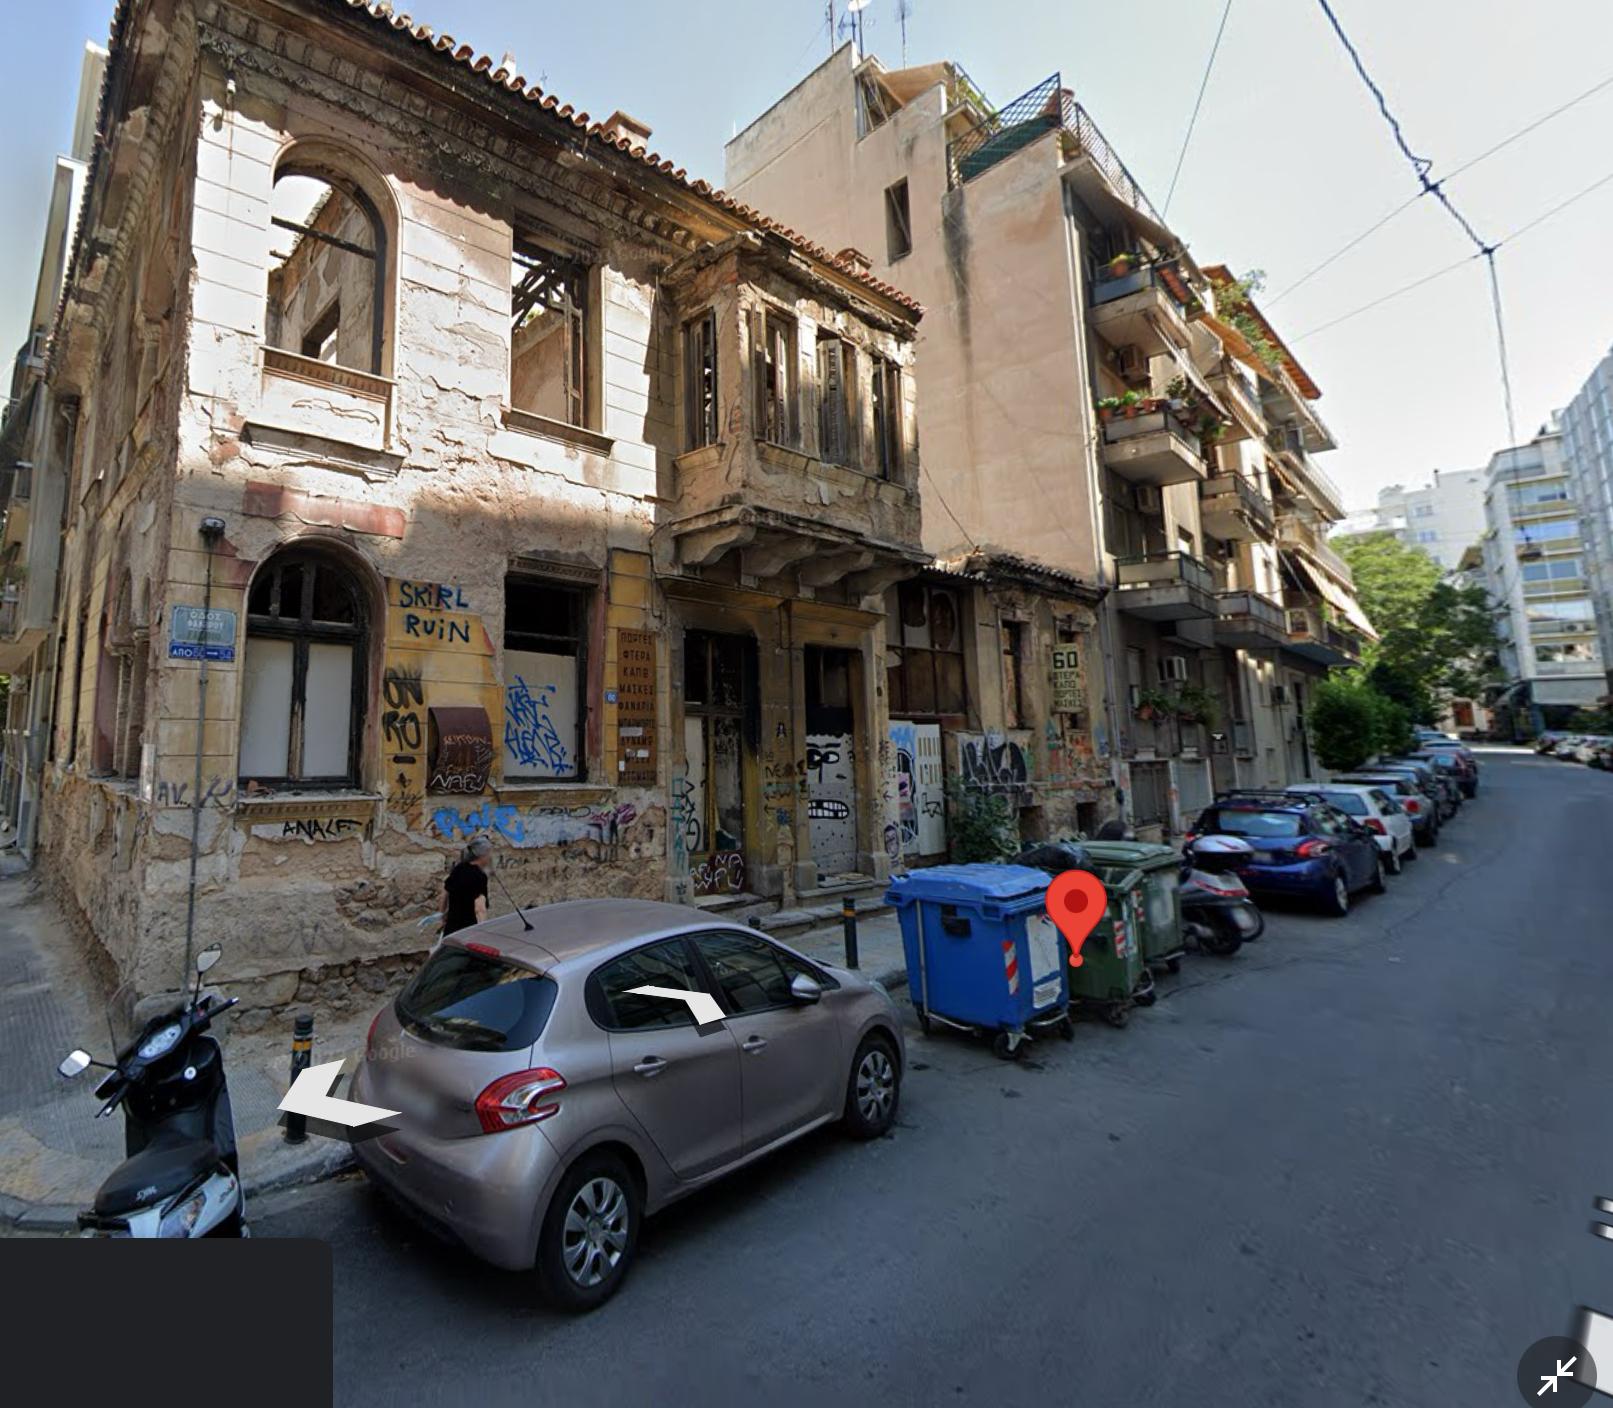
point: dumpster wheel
(1009, 1046)
(1145, 996)
(924, 1019)
(1117, 1014)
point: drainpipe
(212, 531)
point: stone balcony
(1246, 620)
(1166, 586)
(1152, 447)
(1233, 509)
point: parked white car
(1376, 810)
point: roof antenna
(511, 898)
(904, 10)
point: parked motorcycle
(182, 1175)
(1216, 908)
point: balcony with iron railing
(1048, 107)
(1240, 393)
(1287, 444)
(1249, 621)
(1314, 635)
(1295, 531)
(1165, 586)
(1146, 306)
(1151, 444)
(1232, 508)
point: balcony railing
(1250, 603)
(1164, 569)
(1232, 491)
(1121, 427)
(1106, 288)
(1048, 107)
(1296, 532)
(1289, 443)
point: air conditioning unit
(1279, 694)
(1131, 362)
(1147, 498)
(1173, 669)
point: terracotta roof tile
(382, 13)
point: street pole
(212, 532)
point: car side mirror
(207, 958)
(805, 990)
(75, 1064)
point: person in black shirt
(464, 892)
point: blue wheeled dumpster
(981, 953)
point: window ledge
(558, 793)
(533, 424)
(701, 456)
(347, 455)
(307, 805)
(292, 364)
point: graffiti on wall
(720, 874)
(217, 792)
(433, 613)
(534, 827)
(312, 828)
(538, 719)
(400, 722)
(994, 763)
(832, 801)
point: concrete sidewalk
(54, 1153)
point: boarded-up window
(700, 381)
(927, 679)
(837, 401)
(885, 390)
(1014, 673)
(302, 675)
(772, 342)
(549, 335)
(544, 674)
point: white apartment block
(1588, 450)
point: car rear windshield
(1239, 821)
(1347, 802)
(476, 1002)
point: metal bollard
(848, 918)
(302, 1055)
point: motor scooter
(1216, 908)
(182, 1174)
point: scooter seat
(157, 1171)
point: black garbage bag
(1054, 857)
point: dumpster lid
(1055, 857)
(1139, 854)
(968, 884)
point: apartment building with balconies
(1085, 407)
(1534, 555)
(1587, 423)
(441, 468)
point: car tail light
(486, 950)
(523, 1097)
(1412, 805)
(1373, 824)
(1312, 847)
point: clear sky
(1290, 160)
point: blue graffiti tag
(529, 732)
(504, 820)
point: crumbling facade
(445, 464)
(1091, 407)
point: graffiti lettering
(402, 688)
(463, 763)
(401, 730)
(529, 730)
(720, 874)
(219, 792)
(506, 821)
(997, 766)
(685, 824)
(443, 628)
(432, 596)
(317, 829)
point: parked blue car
(1302, 846)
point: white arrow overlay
(702, 1004)
(310, 1095)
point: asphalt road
(1353, 1165)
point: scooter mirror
(208, 957)
(75, 1065)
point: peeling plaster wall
(427, 492)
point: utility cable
(1451, 268)
(1198, 102)
(1524, 131)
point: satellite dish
(856, 6)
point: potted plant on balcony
(1122, 264)
(1153, 704)
(1125, 404)
(1196, 705)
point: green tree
(1344, 723)
(1391, 724)
(983, 826)
(1434, 635)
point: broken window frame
(898, 222)
(885, 396)
(321, 334)
(1013, 643)
(377, 255)
(838, 426)
(700, 411)
(557, 283)
(774, 375)
(913, 643)
(303, 632)
(568, 638)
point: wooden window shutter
(756, 322)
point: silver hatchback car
(547, 1104)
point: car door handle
(650, 1066)
(753, 1044)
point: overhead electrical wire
(1459, 264)
(1466, 166)
(1192, 122)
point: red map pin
(1076, 901)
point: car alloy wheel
(1396, 864)
(1341, 897)
(595, 1236)
(876, 1085)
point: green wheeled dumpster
(1161, 917)
(1112, 975)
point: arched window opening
(327, 282)
(302, 705)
